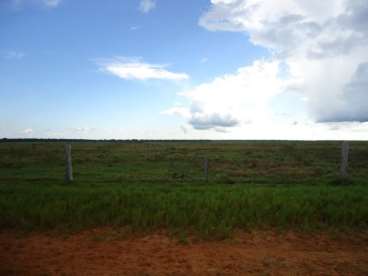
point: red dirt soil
(108, 252)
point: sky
(194, 69)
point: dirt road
(108, 252)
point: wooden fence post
(344, 159)
(205, 167)
(69, 168)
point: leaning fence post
(69, 168)
(205, 167)
(344, 159)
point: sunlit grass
(209, 210)
(154, 186)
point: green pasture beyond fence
(271, 162)
(162, 185)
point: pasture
(146, 186)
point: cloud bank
(322, 46)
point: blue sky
(178, 69)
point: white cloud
(318, 62)
(184, 129)
(215, 121)
(135, 69)
(146, 6)
(233, 99)
(179, 111)
(13, 55)
(27, 131)
(134, 28)
(81, 129)
(313, 28)
(324, 45)
(47, 3)
(354, 98)
(52, 3)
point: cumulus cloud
(233, 99)
(138, 70)
(354, 99)
(146, 6)
(323, 44)
(214, 120)
(315, 28)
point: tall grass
(148, 186)
(210, 210)
(229, 162)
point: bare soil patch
(110, 252)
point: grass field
(150, 186)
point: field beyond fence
(170, 162)
(156, 185)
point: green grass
(286, 185)
(206, 209)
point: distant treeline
(127, 141)
(42, 140)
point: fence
(179, 171)
(267, 162)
